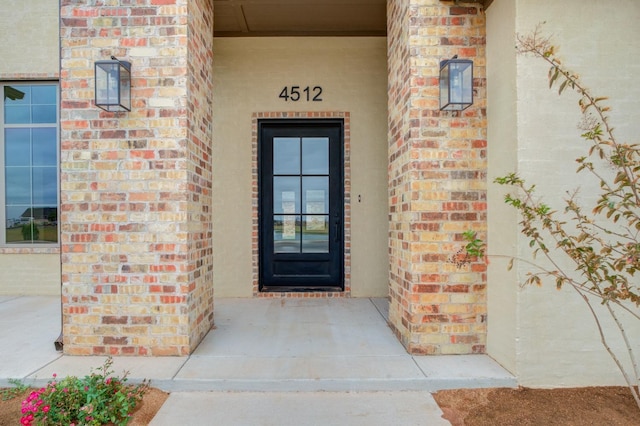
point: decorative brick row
(346, 116)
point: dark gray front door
(301, 205)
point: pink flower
(108, 381)
(55, 375)
(45, 409)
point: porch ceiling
(257, 18)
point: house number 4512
(297, 93)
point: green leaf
(562, 87)
(554, 76)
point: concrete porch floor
(257, 344)
(278, 352)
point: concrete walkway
(268, 361)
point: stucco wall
(30, 274)
(29, 49)
(556, 342)
(249, 74)
(502, 136)
(29, 37)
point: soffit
(255, 18)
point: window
(29, 160)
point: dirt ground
(154, 398)
(610, 406)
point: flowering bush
(96, 399)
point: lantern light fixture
(456, 84)
(113, 85)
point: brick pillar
(437, 168)
(136, 186)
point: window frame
(35, 246)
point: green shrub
(30, 232)
(96, 399)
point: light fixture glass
(456, 84)
(113, 85)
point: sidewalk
(268, 361)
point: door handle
(337, 231)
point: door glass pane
(315, 192)
(286, 156)
(286, 195)
(286, 234)
(315, 234)
(315, 156)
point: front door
(301, 205)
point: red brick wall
(437, 168)
(199, 144)
(135, 221)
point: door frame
(334, 258)
(289, 117)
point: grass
(47, 234)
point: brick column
(136, 186)
(437, 168)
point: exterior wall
(29, 38)
(136, 186)
(437, 169)
(556, 337)
(29, 50)
(502, 134)
(198, 293)
(30, 274)
(249, 73)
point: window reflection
(315, 156)
(286, 195)
(31, 163)
(14, 94)
(32, 224)
(18, 185)
(315, 234)
(44, 146)
(17, 146)
(286, 234)
(286, 156)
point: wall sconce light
(113, 85)
(456, 84)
